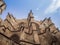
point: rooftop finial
(31, 14)
(30, 11)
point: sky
(40, 8)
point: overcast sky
(40, 8)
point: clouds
(53, 6)
(37, 8)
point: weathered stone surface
(2, 6)
(28, 31)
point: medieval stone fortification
(28, 31)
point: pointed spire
(49, 18)
(30, 14)
(9, 15)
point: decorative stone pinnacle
(30, 14)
